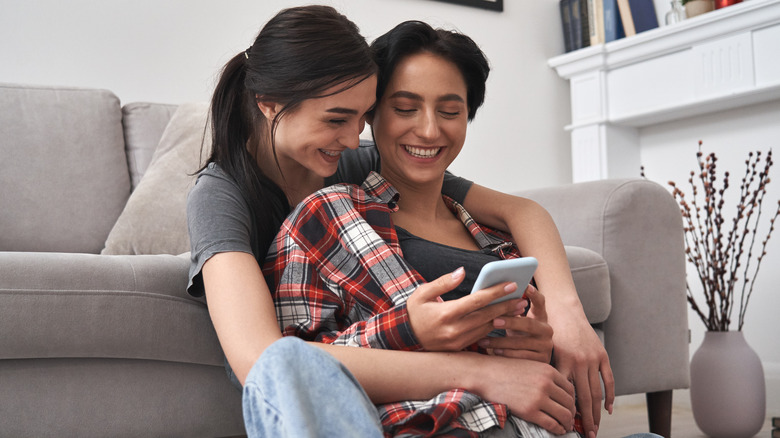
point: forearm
(390, 376)
(240, 308)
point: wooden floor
(631, 417)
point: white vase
(728, 392)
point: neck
(420, 203)
(296, 181)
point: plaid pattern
(341, 278)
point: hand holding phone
(520, 271)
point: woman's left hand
(580, 356)
(527, 337)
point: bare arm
(578, 352)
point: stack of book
(590, 22)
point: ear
(268, 108)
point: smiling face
(309, 140)
(420, 123)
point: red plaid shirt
(340, 278)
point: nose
(428, 126)
(350, 137)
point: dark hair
(412, 37)
(299, 53)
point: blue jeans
(298, 390)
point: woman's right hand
(454, 325)
(532, 390)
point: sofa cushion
(154, 220)
(86, 305)
(144, 124)
(591, 278)
(63, 175)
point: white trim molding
(717, 61)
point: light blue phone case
(520, 270)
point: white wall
(170, 51)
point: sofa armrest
(636, 226)
(62, 305)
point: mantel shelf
(717, 61)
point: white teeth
(422, 152)
(330, 153)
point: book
(775, 433)
(776, 422)
(637, 16)
(584, 24)
(613, 25)
(596, 21)
(576, 25)
(575, 22)
(565, 6)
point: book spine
(565, 6)
(576, 25)
(592, 32)
(613, 27)
(626, 18)
(776, 422)
(598, 18)
(585, 23)
(643, 15)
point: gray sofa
(98, 336)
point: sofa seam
(106, 292)
(596, 265)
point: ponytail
(234, 122)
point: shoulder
(216, 201)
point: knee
(286, 356)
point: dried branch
(722, 258)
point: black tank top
(432, 260)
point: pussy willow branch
(717, 254)
(763, 181)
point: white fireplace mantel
(725, 59)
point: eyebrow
(452, 97)
(340, 110)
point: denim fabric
(298, 390)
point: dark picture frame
(493, 5)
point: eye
(450, 115)
(337, 122)
(403, 111)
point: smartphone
(520, 270)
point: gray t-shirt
(219, 219)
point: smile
(422, 152)
(331, 153)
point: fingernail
(498, 322)
(511, 287)
(484, 343)
(592, 434)
(458, 273)
(522, 304)
(498, 351)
